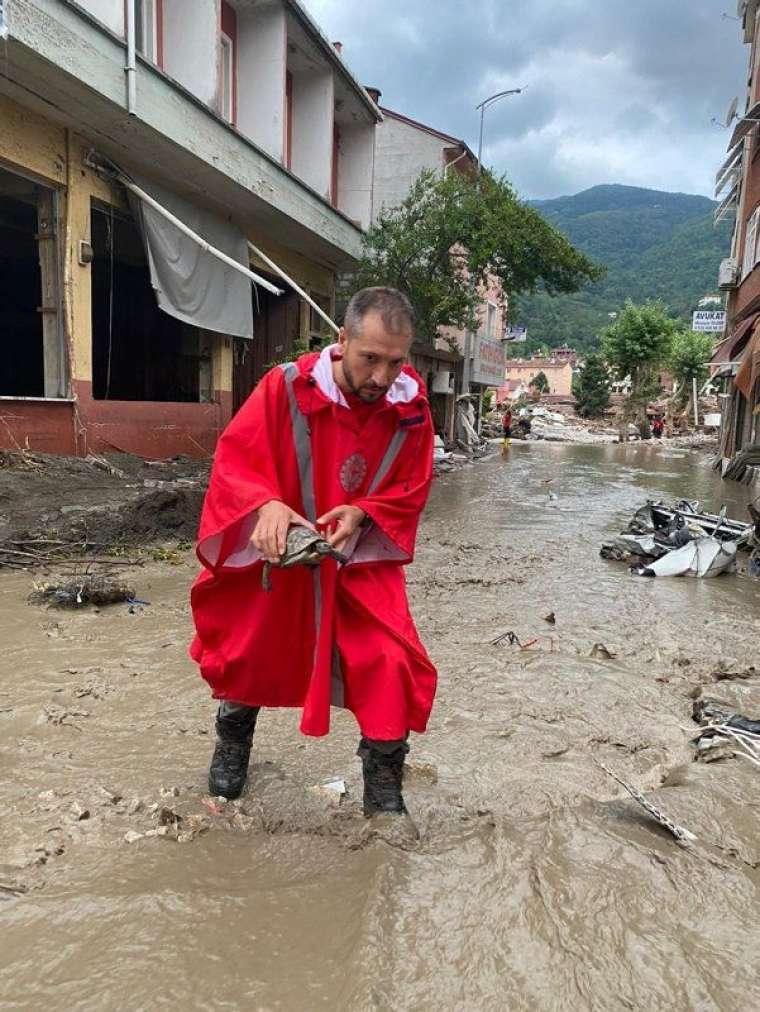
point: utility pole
(469, 337)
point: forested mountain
(654, 245)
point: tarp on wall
(191, 284)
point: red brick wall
(151, 428)
(47, 426)
(749, 290)
(146, 428)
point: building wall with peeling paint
(32, 145)
(56, 106)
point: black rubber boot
(383, 768)
(235, 724)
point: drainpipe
(131, 67)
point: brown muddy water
(536, 884)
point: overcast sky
(619, 91)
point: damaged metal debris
(681, 540)
(725, 734)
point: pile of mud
(166, 514)
(66, 505)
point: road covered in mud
(537, 883)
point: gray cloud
(617, 90)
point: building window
(228, 64)
(148, 29)
(139, 353)
(31, 349)
(319, 330)
(751, 243)
(288, 119)
(491, 311)
(335, 163)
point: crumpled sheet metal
(704, 558)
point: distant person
(506, 424)
(658, 427)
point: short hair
(394, 307)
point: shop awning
(729, 204)
(732, 346)
(190, 283)
(749, 370)
(728, 172)
(745, 124)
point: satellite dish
(731, 114)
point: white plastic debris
(333, 789)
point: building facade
(736, 360)
(405, 149)
(559, 374)
(240, 114)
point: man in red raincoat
(342, 441)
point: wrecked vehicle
(680, 540)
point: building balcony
(65, 64)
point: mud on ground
(536, 884)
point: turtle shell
(302, 547)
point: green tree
(540, 383)
(637, 344)
(449, 231)
(592, 388)
(689, 356)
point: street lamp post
(469, 336)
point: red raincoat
(328, 635)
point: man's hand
(341, 524)
(271, 531)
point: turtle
(303, 547)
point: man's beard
(369, 393)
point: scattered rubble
(80, 591)
(447, 460)
(600, 650)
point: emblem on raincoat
(353, 472)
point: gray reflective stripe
(389, 459)
(338, 689)
(317, 584)
(302, 441)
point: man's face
(373, 358)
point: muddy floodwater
(537, 883)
